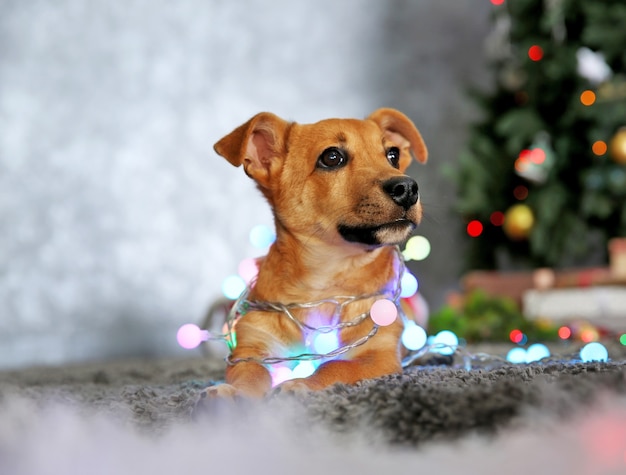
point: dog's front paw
(221, 391)
(215, 399)
(294, 386)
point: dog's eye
(331, 158)
(393, 155)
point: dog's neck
(296, 270)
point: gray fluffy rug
(137, 417)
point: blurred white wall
(118, 222)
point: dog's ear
(257, 145)
(399, 129)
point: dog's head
(338, 180)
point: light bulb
(189, 336)
(413, 336)
(383, 312)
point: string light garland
(414, 339)
(323, 343)
(243, 306)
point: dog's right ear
(399, 129)
(258, 145)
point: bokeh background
(118, 222)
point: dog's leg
(369, 365)
(245, 379)
(249, 378)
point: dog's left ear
(401, 131)
(257, 145)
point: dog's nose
(403, 190)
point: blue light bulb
(280, 374)
(262, 236)
(408, 285)
(304, 369)
(516, 355)
(326, 342)
(537, 352)
(447, 338)
(413, 337)
(233, 286)
(594, 352)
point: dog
(341, 203)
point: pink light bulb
(189, 336)
(280, 374)
(248, 269)
(383, 312)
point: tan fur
(310, 259)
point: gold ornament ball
(617, 146)
(518, 222)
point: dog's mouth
(389, 233)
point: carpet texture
(422, 404)
(423, 407)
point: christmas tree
(542, 181)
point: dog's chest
(333, 325)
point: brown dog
(341, 204)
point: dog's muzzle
(404, 192)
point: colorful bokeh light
(448, 341)
(413, 337)
(521, 165)
(417, 248)
(233, 286)
(587, 98)
(537, 352)
(564, 333)
(304, 369)
(589, 334)
(280, 374)
(516, 336)
(594, 352)
(535, 53)
(262, 236)
(516, 355)
(408, 285)
(248, 270)
(324, 343)
(520, 192)
(535, 155)
(474, 228)
(599, 147)
(497, 218)
(383, 312)
(190, 336)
